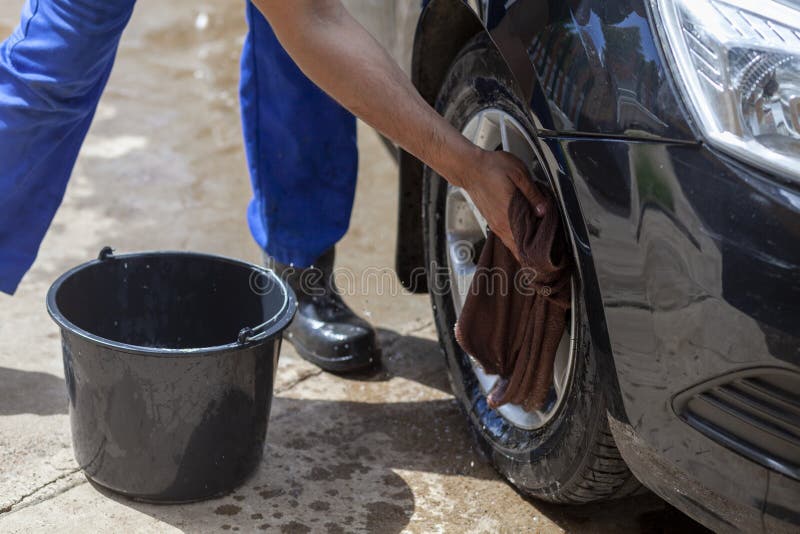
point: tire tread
(605, 475)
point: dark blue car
(669, 132)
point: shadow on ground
(642, 514)
(29, 392)
(410, 357)
(349, 465)
(337, 466)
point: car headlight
(738, 65)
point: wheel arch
(559, 173)
(445, 26)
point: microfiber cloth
(514, 331)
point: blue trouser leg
(301, 152)
(53, 69)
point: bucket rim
(284, 315)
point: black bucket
(169, 359)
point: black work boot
(325, 331)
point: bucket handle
(105, 253)
(258, 332)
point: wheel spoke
(477, 128)
(564, 351)
(471, 128)
(477, 214)
(464, 233)
(487, 131)
(503, 134)
(463, 274)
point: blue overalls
(300, 144)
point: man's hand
(491, 182)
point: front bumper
(697, 259)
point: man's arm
(340, 56)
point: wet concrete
(163, 168)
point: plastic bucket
(169, 359)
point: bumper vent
(755, 412)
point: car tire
(571, 458)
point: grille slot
(755, 412)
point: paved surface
(163, 168)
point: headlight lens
(738, 64)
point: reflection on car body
(687, 246)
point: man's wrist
(466, 162)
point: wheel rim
(465, 230)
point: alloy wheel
(465, 227)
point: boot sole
(344, 364)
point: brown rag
(514, 331)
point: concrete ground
(163, 168)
